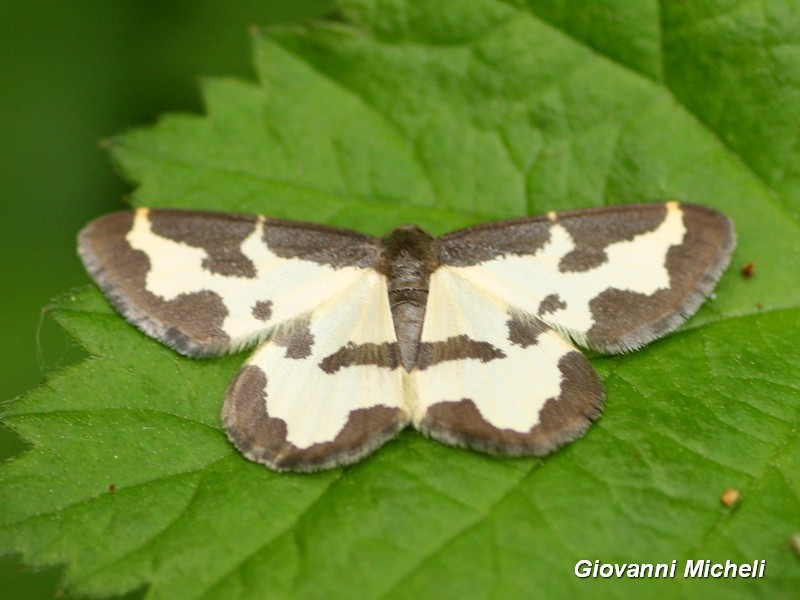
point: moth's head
(407, 234)
(408, 242)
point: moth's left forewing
(207, 282)
(611, 279)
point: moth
(468, 336)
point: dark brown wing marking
(458, 347)
(221, 238)
(384, 355)
(604, 227)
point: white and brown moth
(465, 336)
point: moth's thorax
(409, 257)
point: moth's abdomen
(408, 260)
(408, 314)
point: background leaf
(446, 114)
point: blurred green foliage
(73, 74)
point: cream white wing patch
(496, 380)
(324, 390)
(464, 336)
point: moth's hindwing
(205, 283)
(612, 279)
(495, 380)
(323, 391)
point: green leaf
(447, 114)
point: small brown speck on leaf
(112, 487)
(748, 270)
(730, 497)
